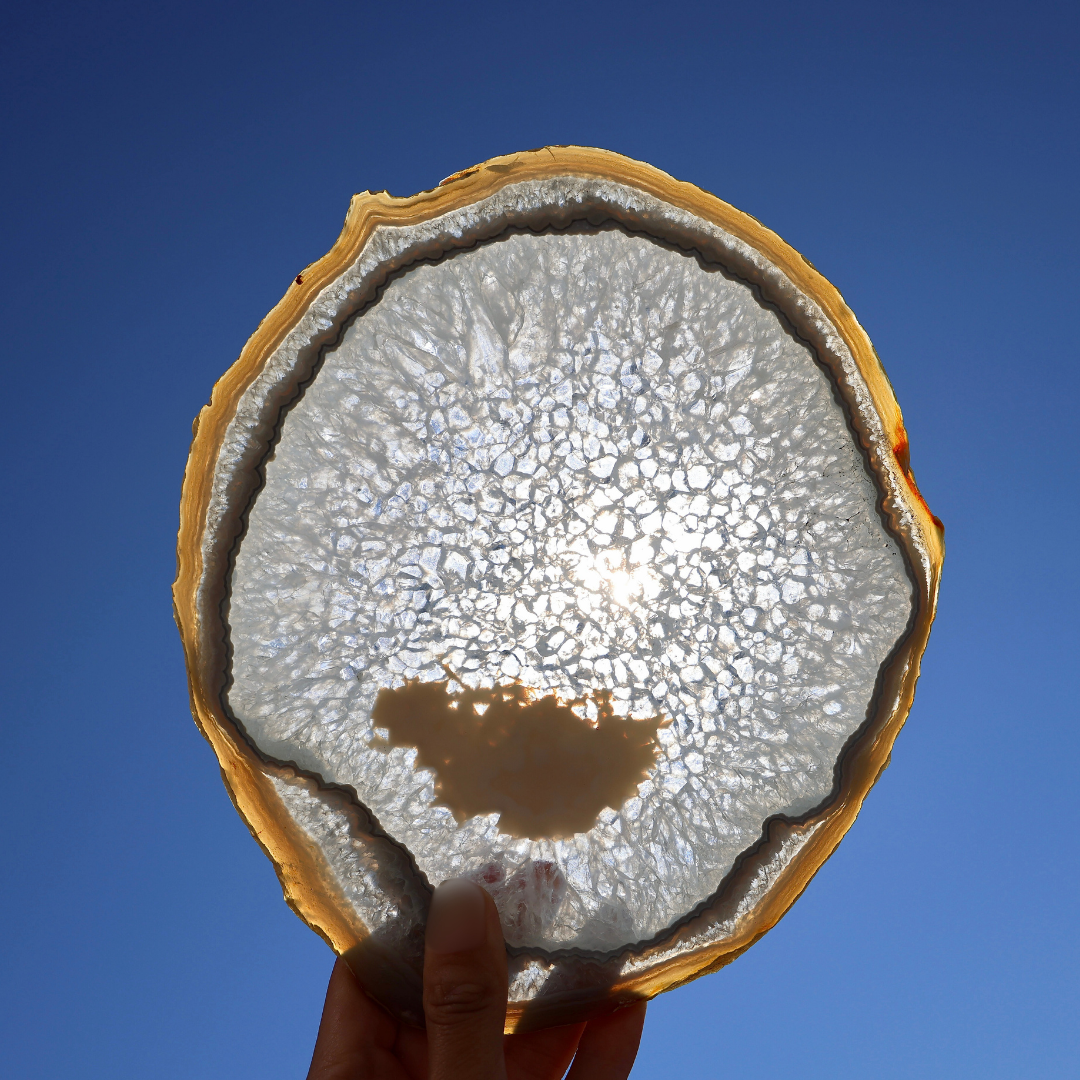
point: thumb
(464, 984)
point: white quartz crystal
(580, 460)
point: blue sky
(170, 168)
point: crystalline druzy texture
(589, 464)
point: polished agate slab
(560, 545)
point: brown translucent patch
(547, 771)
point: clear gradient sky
(169, 168)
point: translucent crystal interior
(591, 465)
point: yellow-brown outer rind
(305, 878)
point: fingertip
(352, 1025)
(459, 917)
(609, 1046)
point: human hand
(465, 987)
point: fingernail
(457, 921)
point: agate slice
(556, 531)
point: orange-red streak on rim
(902, 453)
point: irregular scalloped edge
(233, 429)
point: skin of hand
(465, 988)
